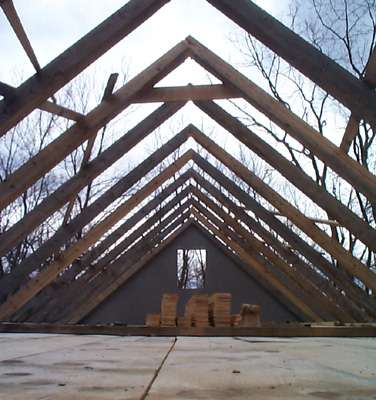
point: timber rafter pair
(295, 276)
(48, 275)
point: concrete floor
(58, 367)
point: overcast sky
(52, 26)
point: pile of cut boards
(202, 311)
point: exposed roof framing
(49, 106)
(75, 59)
(14, 20)
(75, 275)
(353, 124)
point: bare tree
(26, 140)
(346, 31)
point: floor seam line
(158, 370)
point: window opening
(191, 268)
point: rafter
(336, 275)
(322, 304)
(260, 268)
(75, 59)
(225, 158)
(53, 108)
(292, 173)
(15, 301)
(272, 263)
(15, 22)
(314, 64)
(56, 151)
(67, 190)
(347, 168)
(52, 295)
(124, 272)
(81, 289)
(90, 143)
(352, 127)
(316, 291)
(350, 263)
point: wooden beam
(122, 246)
(261, 269)
(56, 151)
(347, 168)
(90, 143)
(309, 293)
(310, 61)
(277, 267)
(9, 91)
(15, 22)
(152, 205)
(107, 282)
(316, 220)
(352, 127)
(103, 292)
(55, 297)
(292, 173)
(15, 301)
(370, 73)
(71, 188)
(75, 59)
(338, 276)
(231, 254)
(276, 330)
(63, 235)
(350, 263)
(81, 289)
(187, 93)
(310, 274)
(99, 279)
(39, 307)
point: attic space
(188, 199)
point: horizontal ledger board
(276, 330)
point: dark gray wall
(142, 293)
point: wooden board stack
(184, 322)
(220, 309)
(202, 311)
(235, 319)
(153, 320)
(188, 311)
(200, 317)
(250, 315)
(168, 309)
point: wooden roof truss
(75, 276)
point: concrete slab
(36, 366)
(230, 368)
(78, 367)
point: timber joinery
(85, 274)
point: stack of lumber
(250, 315)
(184, 322)
(188, 312)
(200, 317)
(153, 320)
(168, 309)
(235, 319)
(220, 309)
